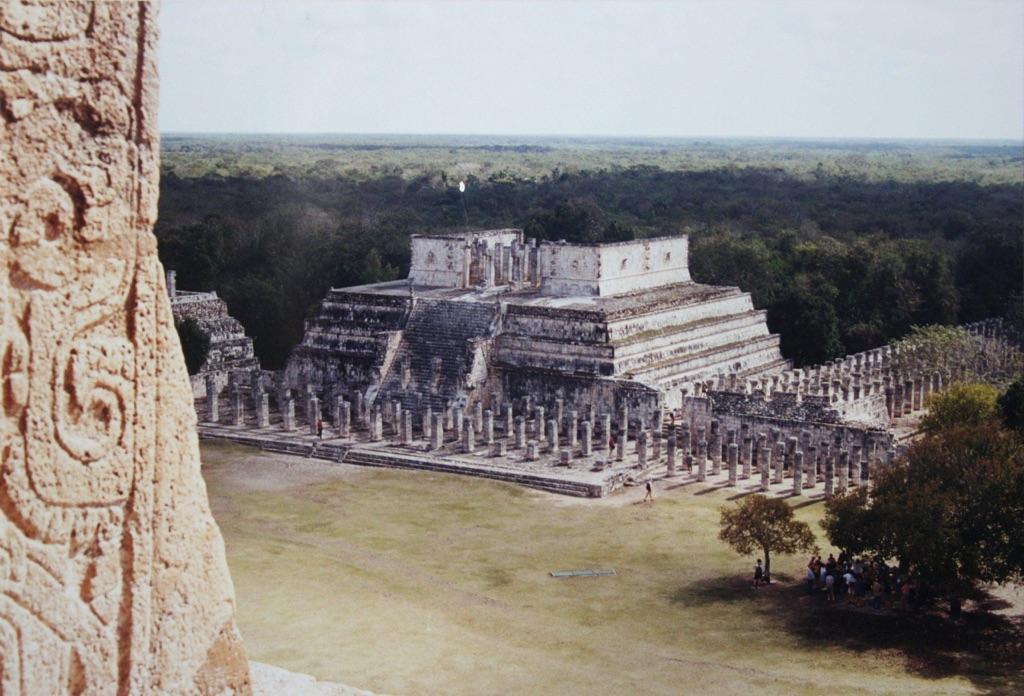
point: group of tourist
(861, 582)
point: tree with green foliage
(376, 270)
(950, 511)
(1011, 405)
(960, 405)
(195, 344)
(805, 318)
(765, 524)
(848, 522)
(948, 349)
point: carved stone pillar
(101, 592)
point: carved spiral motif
(89, 415)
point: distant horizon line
(557, 136)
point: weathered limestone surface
(112, 571)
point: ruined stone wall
(569, 270)
(456, 261)
(112, 571)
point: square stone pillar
(641, 447)
(376, 425)
(519, 433)
(552, 435)
(715, 447)
(844, 471)
(359, 407)
(344, 423)
(671, 454)
(468, 436)
(811, 467)
(798, 466)
(764, 459)
(746, 457)
(288, 414)
(733, 462)
(585, 444)
(212, 400)
(488, 423)
(405, 427)
(702, 458)
(656, 445)
(532, 453)
(313, 414)
(572, 429)
(263, 411)
(855, 459)
(779, 463)
(237, 408)
(605, 431)
(437, 431)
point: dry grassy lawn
(417, 583)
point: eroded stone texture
(112, 571)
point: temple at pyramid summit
(490, 317)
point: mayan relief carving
(112, 575)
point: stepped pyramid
(487, 315)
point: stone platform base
(578, 479)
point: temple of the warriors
(489, 316)
(537, 364)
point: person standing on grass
(650, 493)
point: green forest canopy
(846, 244)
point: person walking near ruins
(650, 493)
(320, 430)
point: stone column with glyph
(112, 571)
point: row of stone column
(837, 463)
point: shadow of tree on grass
(985, 648)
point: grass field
(418, 583)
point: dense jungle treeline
(841, 260)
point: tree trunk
(767, 566)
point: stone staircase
(434, 356)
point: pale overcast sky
(860, 69)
